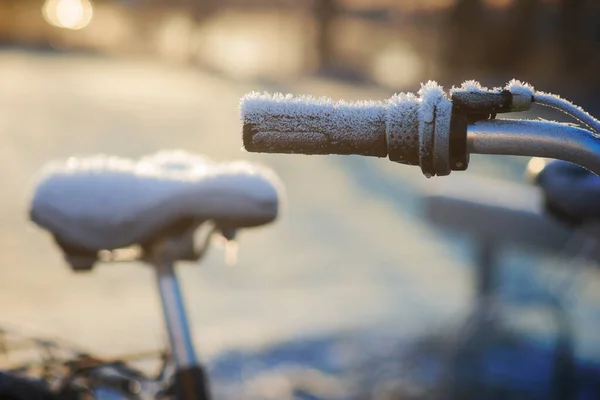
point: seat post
(175, 316)
(190, 379)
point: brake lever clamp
(468, 104)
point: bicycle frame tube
(535, 139)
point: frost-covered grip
(413, 130)
(305, 125)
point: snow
(106, 202)
(255, 106)
(472, 86)
(556, 102)
(520, 88)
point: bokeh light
(68, 14)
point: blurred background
(385, 43)
(352, 277)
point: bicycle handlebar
(431, 130)
(536, 139)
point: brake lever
(477, 103)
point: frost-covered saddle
(105, 202)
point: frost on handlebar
(429, 129)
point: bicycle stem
(535, 139)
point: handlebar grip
(409, 129)
(288, 124)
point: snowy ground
(349, 253)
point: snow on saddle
(106, 202)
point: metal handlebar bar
(535, 139)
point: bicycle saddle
(106, 202)
(571, 192)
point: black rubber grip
(274, 135)
(404, 128)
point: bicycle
(161, 210)
(433, 132)
(438, 132)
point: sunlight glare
(534, 167)
(69, 14)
